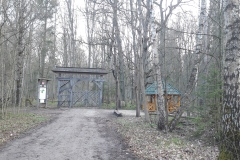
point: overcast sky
(193, 7)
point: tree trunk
(142, 73)
(116, 76)
(65, 50)
(89, 30)
(72, 36)
(20, 49)
(136, 79)
(44, 48)
(120, 50)
(230, 146)
(162, 125)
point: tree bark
(230, 146)
(162, 114)
(20, 50)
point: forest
(191, 44)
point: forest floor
(88, 133)
(145, 141)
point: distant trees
(140, 42)
(115, 19)
(29, 44)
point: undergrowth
(112, 105)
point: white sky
(81, 20)
(193, 7)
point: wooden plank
(100, 71)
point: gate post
(100, 97)
(71, 92)
(59, 96)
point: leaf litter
(145, 141)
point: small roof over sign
(152, 89)
(45, 79)
(77, 70)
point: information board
(42, 93)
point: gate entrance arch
(79, 86)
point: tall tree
(136, 59)
(90, 13)
(142, 59)
(20, 6)
(162, 125)
(47, 8)
(117, 34)
(72, 32)
(230, 146)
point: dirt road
(76, 134)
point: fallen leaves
(147, 142)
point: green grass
(108, 106)
(130, 106)
(112, 105)
(14, 124)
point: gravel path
(76, 134)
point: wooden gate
(80, 90)
(86, 98)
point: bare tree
(21, 10)
(142, 59)
(115, 20)
(136, 59)
(71, 29)
(47, 9)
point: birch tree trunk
(230, 146)
(194, 73)
(162, 114)
(162, 125)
